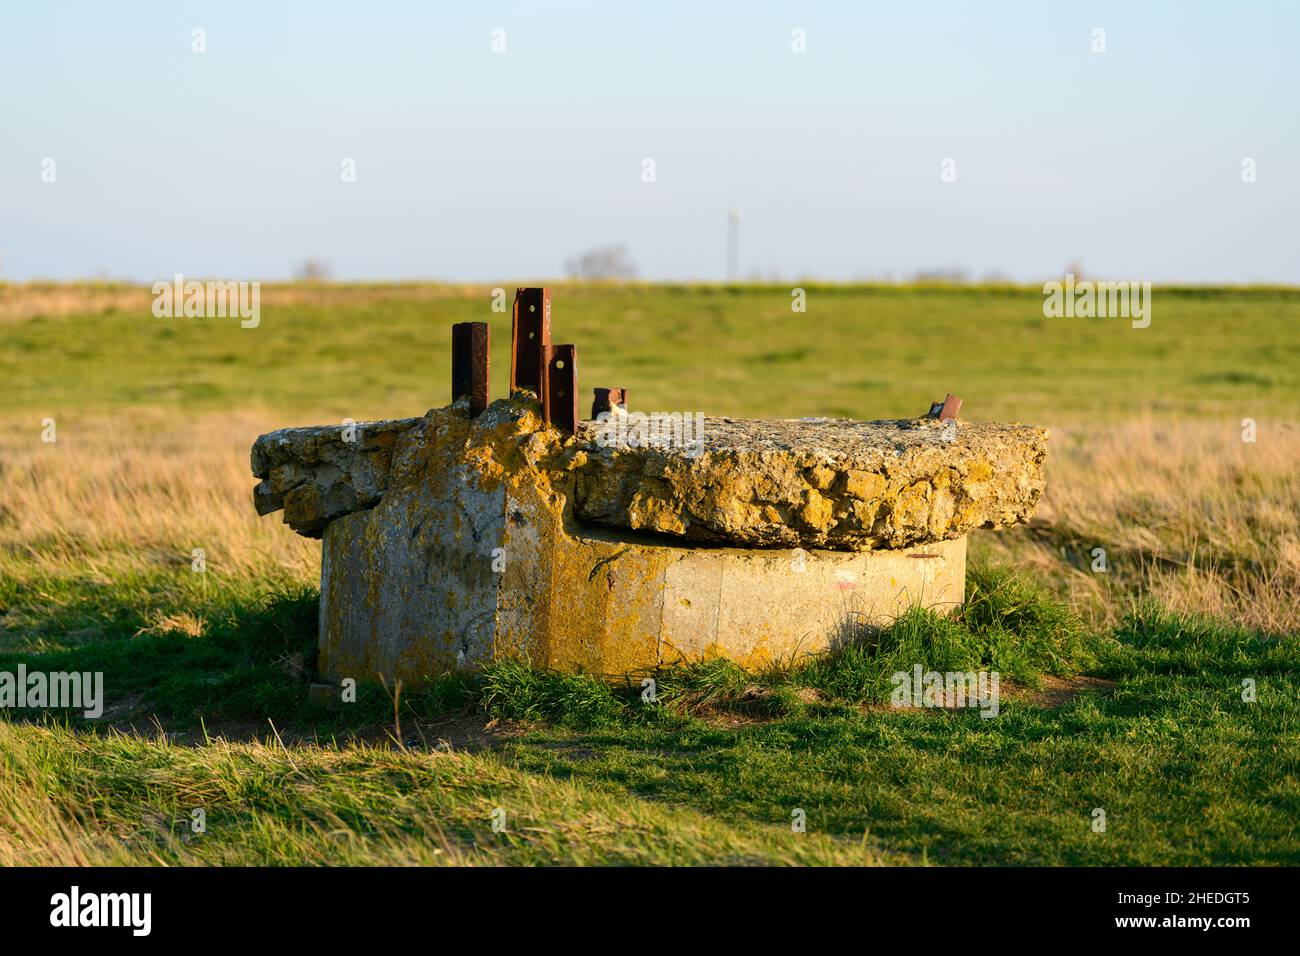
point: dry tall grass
(1188, 513)
(27, 299)
(110, 515)
(143, 489)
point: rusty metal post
(469, 364)
(946, 409)
(560, 387)
(606, 399)
(530, 334)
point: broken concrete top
(821, 483)
(320, 473)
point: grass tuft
(515, 690)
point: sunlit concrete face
(402, 603)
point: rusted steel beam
(606, 399)
(560, 387)
(530, 334)
(469, 364)
(946, 409)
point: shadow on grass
(251, 661)
(254, 662)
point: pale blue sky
(498, 167)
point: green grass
(858, 351)
(127, 800)
(49, 612)
(242, 665)
(586, 770)
(1185, 770)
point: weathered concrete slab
(827, 484)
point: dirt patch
(1059, 691)
(467, 734)
(1055, 692)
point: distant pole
(733, 243)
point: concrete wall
(410, 597)
(407, 588)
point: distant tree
(954, 275)
(313, 270)
(605, 262)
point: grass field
(1125, 686)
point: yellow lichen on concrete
(864, 485)
(842, 485)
